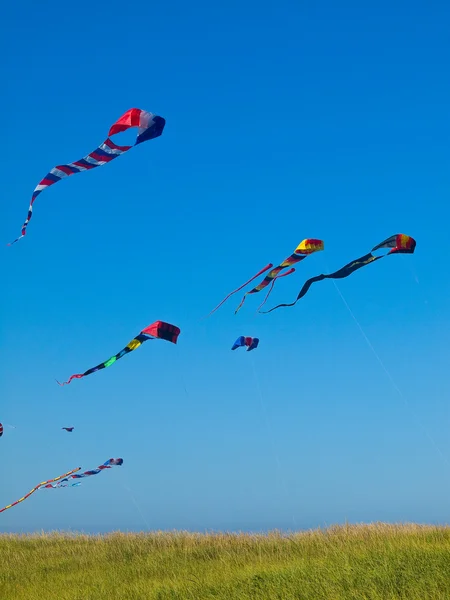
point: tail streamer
(40, 485)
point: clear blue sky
(284, 121)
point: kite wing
(239, 342)
(163, 331)
(40, 485)
(149, 127)
(158, 329)
(254, 344)
(398, 244)
(242, 340)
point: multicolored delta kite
(157, 330)
(398, 244)
(250, 342)
(304, 249)
(111, 462)
(37, 487)
(149, 127)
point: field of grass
(376, 562)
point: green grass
(373, 562)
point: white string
(395, 386)
(135, 502)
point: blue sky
(284, 121)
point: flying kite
(40, 485)
(65, 482)
(250, 342)
(69, 429)
(304, 249)
(149, 126)
(1, 430)
(398, 244)
(158, 329)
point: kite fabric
(398, 244)
(40, 485)
(111, 462)
(149, 127)
(69, 429)
(1, 430)
(56, 486)
(157, 330)
(304, 249)
(250, 342)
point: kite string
(127, 487)
(391, 379)
(271, 436)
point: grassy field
(377, 561)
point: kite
(304, 249)
(40, 485)
(398, 244)
(149, 127)
(69, 429)
(158, 329)
(65, 482)
(1, 430)
(250, 342)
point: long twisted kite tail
(149, 127)
(38, 486)
(272, 284)
(135, 343)
(102, 155)
(266, 268)
(157, 330)
(106, 465)
(77, 376)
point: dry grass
(371, 562)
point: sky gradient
(284, 122)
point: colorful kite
(399, 244)
(1, 430)
(250, 342)
(69, 429)
(304, 249)
(149, 126)
(106, 465)
(158, 329)
(40, 485)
